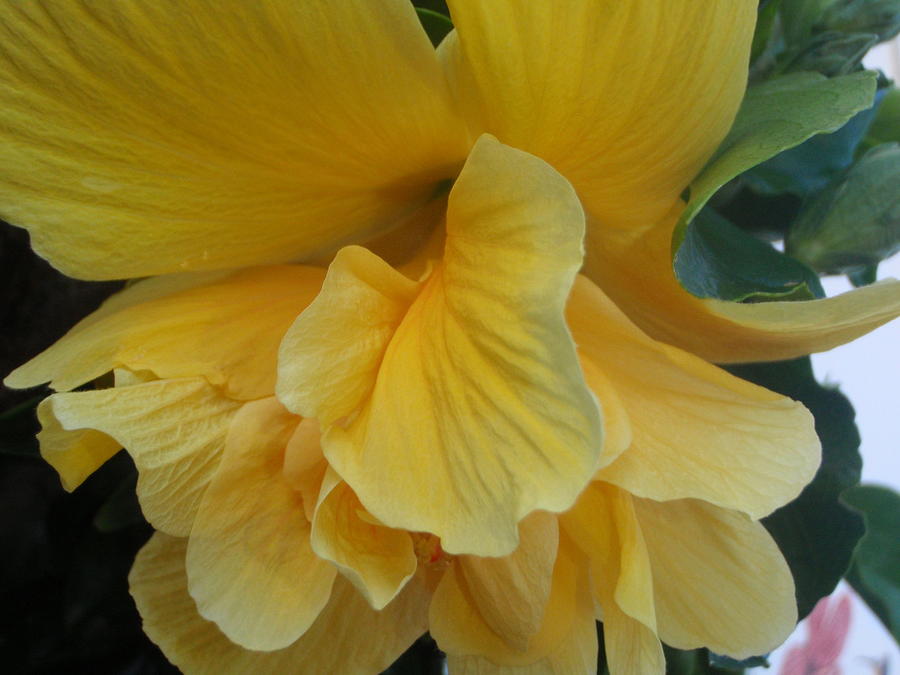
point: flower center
(429, 552)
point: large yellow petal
(479, 413)
(173, 429)
(250, 565)
(697, 431)
(378, 560)
(511, 592)
(349, 637)
(565, 643)
(626, 99)
(720, 580)
(141, 138)
(637, 274)
(305, 465)
(224, 327)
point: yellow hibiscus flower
(455, 403)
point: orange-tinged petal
(479, 413)
(173, 429)
(562, 641)
(638, 275)
(697, 430)
(142, 138)
(378, 560)
(511, 592)
(250, 565)
(329, 359)
(348, 637)
(626, 99)
(224, 327)
(720, 580)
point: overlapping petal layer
(566, 638)
(697, 431)
(331, 645)
(225, 327)
(174, 429)
(626, 99)
(479, 386)
(144, 138)
(249, 552)
(637, 273)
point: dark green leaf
(732, 665)
(776, 115)
(811, 165)
(816, 532)
(885, 128)
(830, 53)
(719, 260)
(799, 18)
(855, 221)
(436, 25)
(875, 573)
(869, 16)
(863, 276)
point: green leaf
(830, 53)
(730, 664)
(869, 16)
(875, 573)
(719, 260)
(811, 165)
(799, 18)
(885, 128)
(816, 532)
(777, 115)
(765, 25)
(436, 25)
(854, 222)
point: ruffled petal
(626, 99)
(638, 275)
(378, 560)
(305, 465)
(697, 430)
(567, 637)
(332, 644)
(174, 430)
(479, 413)
(720, 580)
(225, 327)
(142, 138)
(511, 592)
(250, 565)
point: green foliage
(436, 24)
(816, 532)
(875, 573)
(855, 221)
(719, 260)
(777, 115)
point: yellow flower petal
(605, 527)
(141, 138)
(305, 465)
(631, 647)
(173, 429)
(76, 453)
(224, 327)
(637, 274)
(249, 562)
(479, 413)
(511, 592)
(720, 580)
(626, 99)
(333, 644)
(567, 635)
(330, 358)
(377, 560)
(697, 430)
